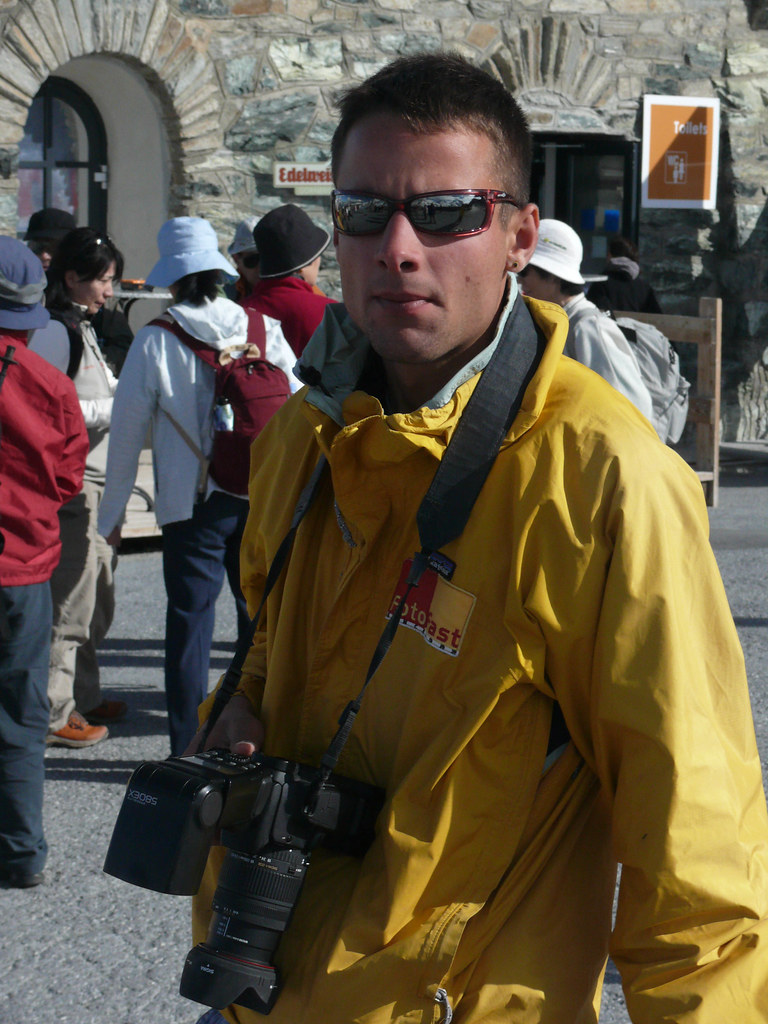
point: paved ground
(88, 949)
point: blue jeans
(25, 621)
(197, 554)
(211, 1017)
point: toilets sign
(681, 137)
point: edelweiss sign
(304, 179)
(681, 137)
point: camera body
(271, 814)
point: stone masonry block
(69, 27)
(13, 69)
(84, 10)
(746, 57)
(251, 8)
(35, 39)
(26, 50)
(482, 35)
(46, 13)
(153, 32)
(307, 60)
(265, 122)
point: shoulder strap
(495, 402)
(170, 324)
(257, 332)
(584, 314)
(256, 335)
(205, 352)
(76, 343)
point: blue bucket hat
(22, 287)
(187, 245)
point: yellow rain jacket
(585, 577)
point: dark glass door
(592, 183)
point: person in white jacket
(554, 274)
(163, 384)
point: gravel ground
(88, 949)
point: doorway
(592, 183)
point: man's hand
(237, 730)
(115, 537)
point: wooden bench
(704, 331)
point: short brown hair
(436, 91)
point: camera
(270, 813)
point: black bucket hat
(50, 223)
(287, 240)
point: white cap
(243, 240)
(559, 251)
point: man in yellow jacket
(565, 689)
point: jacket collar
(338, 354)
(335, 360)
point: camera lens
(252, 907)
(255, 898)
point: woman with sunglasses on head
(80, 281)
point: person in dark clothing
(289, 246)
(45, 230)
(624, 289)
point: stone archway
(551, 67)
(167, 51)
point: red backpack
(248, 391)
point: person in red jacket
(290, 246)
(43, 444)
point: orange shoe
(77, 733)
(107, 712)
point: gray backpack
(660, 367)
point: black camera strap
(446, 507)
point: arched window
(63, 156)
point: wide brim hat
(243, 239)
(187, 245)
(49, 223)
(559, 251)
(287, 240)
(22, 287)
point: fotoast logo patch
(436, 608)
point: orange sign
(681, 137)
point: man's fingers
(245, 748)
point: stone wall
(242, 83)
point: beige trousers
(83, 593)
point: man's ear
(523, 236)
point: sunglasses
(456, 212)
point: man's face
(247, 263)
(44, 249)
(540, 286)
(426, 302)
